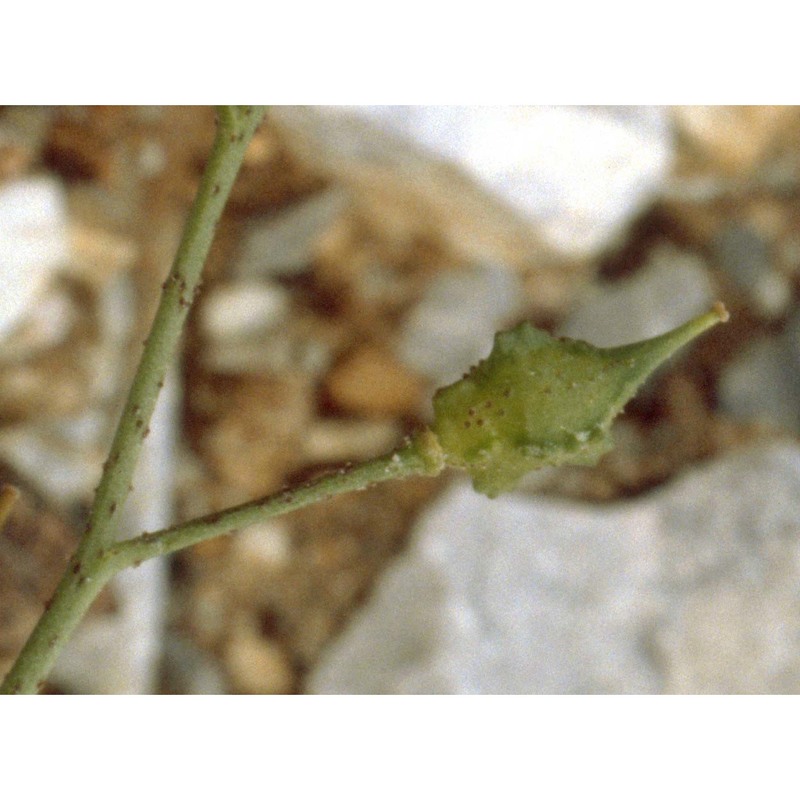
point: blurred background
(367, 256)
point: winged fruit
(537, 400)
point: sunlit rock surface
(693, 588)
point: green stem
(236, 127)
(420, 456)
(88, 571)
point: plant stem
(235, 129)
(87, 571)
(420, 456)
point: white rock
(348, 439)
(453, 325)
(581, 173)
(243, 308)
(46, 324)
(33, 242)
(258, 354)
(116, 315)
(671, 288)
(65, 470)
(691, 589)
(267, 544)
(283, 243)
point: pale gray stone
(581, 173)
(45, 324)
(33, 242)
(694, 588)
(189, 670)
(672, 287)
(65, 474)
(762, 383)
(63, 455)
(283, 243)
(745, 255)
(453, 325)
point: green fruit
(537, 400)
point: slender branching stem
(88, 571)
(419, 456)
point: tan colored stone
(373, 382)
(262, 546)
(14, 160)
(99, 253)
(35, 545)
(349, 439)
(208, 613)
(252, 429)
(733, 138)
(256, 665)
(22, 133)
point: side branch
(420, 456)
